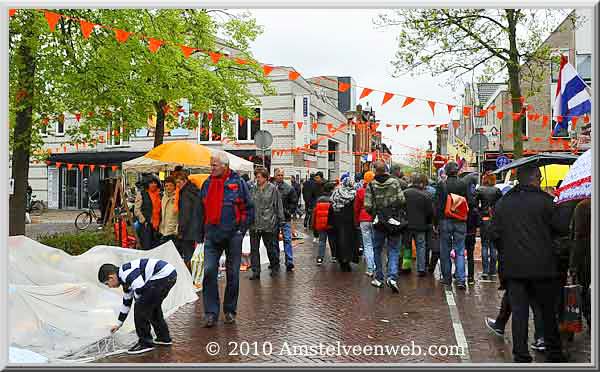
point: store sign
(52, 188)
(302, 114)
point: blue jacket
(237, 212)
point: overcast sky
(345, 42)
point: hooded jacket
(419, 209)
(384, 192)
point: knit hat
(369, 176)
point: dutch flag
(572, 98)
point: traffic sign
(439, 161)
(502, 161)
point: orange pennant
(482, 113)
(432, 105)
(330, 127)
(154, 44)
(315, 125)
(450, 108)
(285, 123)
(186, 50)
(545, 120)
(52, 19)
(299, 124)
(121, 35)
(467, 110)
(11, 12)
(397, 128)
(418, 125)
(492, 107)
(574, 120)
(114, 168)
(404, 126)
(374, 127)
(365, 92)
(586, 119)
(386, 98)
(455, 124)
(500, 115)
(293, 75)
(509, 135)
(86, 28)
(537, 139)
(215, 57)
(342, 87)
(58, 164)
(516, 116)
(430, 125)
(80, 166)
(408, 101)
(559, 118)
(267, 69)
(241, 61)
(69, 166)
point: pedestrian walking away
(148, 281)
(322, 223)
(384, 199)
(228, 214)
(365, 222)
(419, 209)
(486, 197)
(342, 203)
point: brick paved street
(321, 304)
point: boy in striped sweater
(148, 281)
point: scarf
(342, 196)
(177, 192)
(154, 194)
(214, 199)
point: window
(525, 126)
(563, 132)
(247, 127)
(555, 63)
(584, 66)
(116, 135)
(332, 148)
(60, 125)
(211, 130)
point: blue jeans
(452, 232)
(393, 254)
(366, 229)
(287, 243)
(210, 291)
(488, 255)
(323, 236)
(420, 242)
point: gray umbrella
(539, 160)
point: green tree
(120, 84)
(482, 41)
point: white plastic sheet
(57, 307)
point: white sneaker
(314, 240)
(376, 283)
(394, 285)
(369, 274)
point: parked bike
(35, 207)
(85, 218)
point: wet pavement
(286, 319)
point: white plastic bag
(197, 262)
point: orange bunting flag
(330, 127)
(559, 118)
(267, 69)
(11, 12)
(80, 166)
(78, 116)
(545, 120)
(374, 127)
(430, 125)
(241, 61)
(315, 125)
(586, 119)
(114, 168)
(215, 57)
(418, 125)
(397, 127)
(482, 113)
(186, 50)
(467, 110)
(69, 166)
(492, 107)
(299, 124)
(566, 145)
(432, 105)
(342, 87)
(154, 44)
(86, 28)
(196, 114)
(500, 115)
(293, 75)
(285, 123)
(210, 116)
(455, 124)
(58, 164)
(65, 148)
(404, 126)
(365, 92)
(450, 108)
(408, 101)
(121, 35)
(574, 120)
(386, 98)
(537, 139)
(52, 19)
(516, 116)
(509, 135)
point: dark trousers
(148, 237)
(506, 311)
(545, 294)
(272, 252)
(307, 217)
(185, 249)
(210, 292)
(148, 309)
(470, 247)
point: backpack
(382, 219)
(456, 207)
(321, 216)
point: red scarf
(214, 199)
(154, 193)
(176, 201)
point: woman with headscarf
(342, 204)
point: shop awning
(96, 157)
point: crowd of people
(530, 245)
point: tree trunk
(22, 136)
(159, 131)
(514, 70)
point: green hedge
(77, 243)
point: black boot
(255, 276)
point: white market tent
(146, 164)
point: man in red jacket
(365, 221)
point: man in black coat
(307, 193)
(189, 218)
(525, 224)
(419, 208)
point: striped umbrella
(577, 184)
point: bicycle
(35, 207)
(85, 218)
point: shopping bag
(197, 263)
(571, 320)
